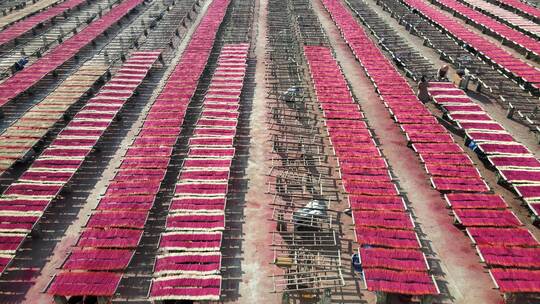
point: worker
(19, 65)
(472, 145)
(423, 94)
(357, 265)
(460, 73)
(464, 82)
(442, 73)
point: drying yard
(270, 151)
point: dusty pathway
(454, 261)
(256, 283)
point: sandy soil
(256, 283)
(247, 277)
(451, 250)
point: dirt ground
(256, 284)
(453, 260)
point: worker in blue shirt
(19, 65)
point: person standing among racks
(422, 93)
